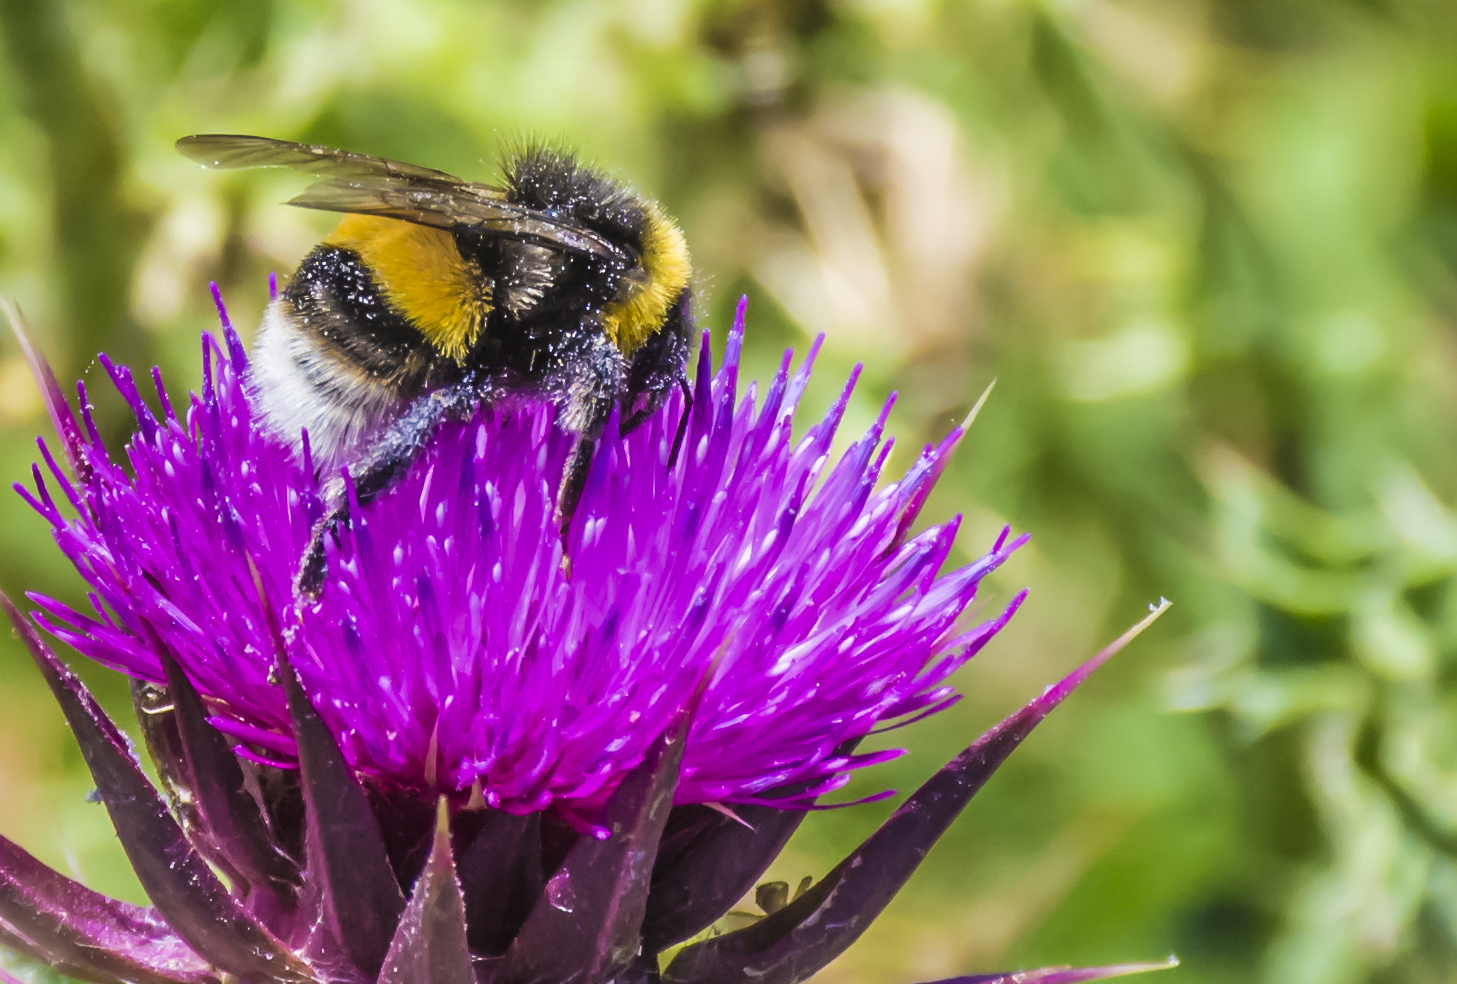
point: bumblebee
(435, 296)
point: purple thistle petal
(936, 464)
(217, 302)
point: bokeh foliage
(1206, 248)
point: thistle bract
(461, 764)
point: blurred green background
(1208, 250)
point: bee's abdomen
(334, 299)
(420, 273)
(297, 383)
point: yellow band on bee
(422, 275)
(631, 320)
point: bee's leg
(574, 480)
(384, 464)
(588, 385)
(579, 465)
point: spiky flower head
(564, 775)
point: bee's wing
(230, 150)
(375, 186)
(455, 205)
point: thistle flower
(449, 648)
(459, 763)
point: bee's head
(553, 180)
